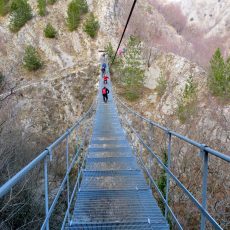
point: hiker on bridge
(104, 65)
(105, 93)
(103, 68)
(105, 78)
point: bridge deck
(113, 192)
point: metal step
(113, 193)
(111, 163)
(119, 226)
(113, 180)
(117, 207)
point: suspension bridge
(110, 191)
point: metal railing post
(46, 191)
(168, 177)
(204, 186)
(76, 139)
(152, 145)
(141, 151)
(149, 170)
(152, 134)
(79, 178)
(67, 174)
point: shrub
(110, 52)
(1, 79)
(91, 26)
(185, 111)
(189, 93)
(4, 7)
(50, 31)
(51, 2)
(132, 71)
(132, 94)
(161, 85)
(76, 9)
(219, 77)
(82, 4)
(129, 70)
(32, 60)
(21, 12)
(73, 19)
(42, 7)
(186, 104)
(227, 79)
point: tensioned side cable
(130, 14)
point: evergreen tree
(161, 85)
(42, 7)
(227, 78)
(21, 12)
(190, 89)
(91, 26)
(133, 72)
(76, 9)
(218, 80)
(73, 13)
(51, 2)
(1, 79)
(50, 31)
(110, 52)
(4, 7)
(186, 106)
(83, 6)
(32, 60)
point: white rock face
(210, 122)
(212, 15)
(51, 99)
(151, 77)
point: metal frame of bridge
(110, 188)
(113, 193)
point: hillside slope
(37, 107)
(211, 114)
(177, 42)
(212, 16)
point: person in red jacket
(105, 93)
(105, 78)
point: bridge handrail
(184, 138)
(207, 215)
(4, 189)
(64, 181)
(204, 150)
(48, 151)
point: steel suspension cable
(127, 22)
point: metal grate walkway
(113, 192)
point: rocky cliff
(151, 24)
(178, 39)
(49, 100)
